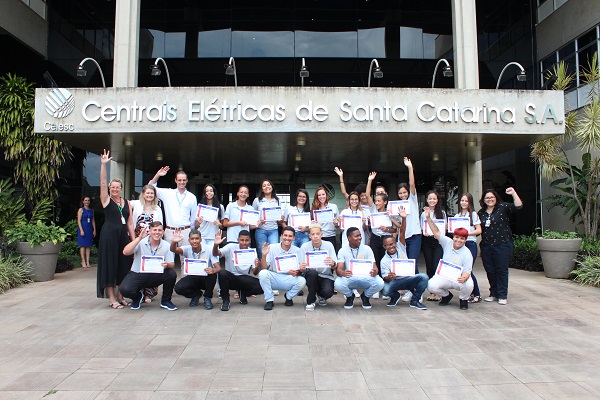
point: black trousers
(376, 245)
(190, 285)
(333, 241)
(432, 252)
(317, 286)
(134, 282)
(244, 283)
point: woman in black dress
(114, 236)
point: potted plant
(559, 252)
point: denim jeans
(413, 249)
(263, 236)
(472, 246)
(300, 239)
(495, 261)
(270, 281)
(416, 284)
(369, 284)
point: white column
(127, 43)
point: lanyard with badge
(182, 199)
(120, 211)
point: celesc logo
(59, 104)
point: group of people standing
(366, 261)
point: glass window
(262, 44)
(371, 43)
(168, 45)
(411, 42)
(326, 44)
(566, 51)
(585, 56)
(214, 44)
(586, 38)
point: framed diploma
(458, 222)
(316, 259)
(380, 219)
(323, 216)
(449, 271)
(250, 216)
(207, 213)
(349, 221)
(152, 264)
(271, 214)
(286, 263)
(394, 206)
(243, 258)
(298, 220)
(403, 267)
(440, 223)
(192, 266)
(361, 267)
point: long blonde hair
(154, 203)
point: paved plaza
(58, 341)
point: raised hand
(177, 236)
(372, 175)
(339, 172)
(218, 237)
(163, 171)
(407, 162)
(105, 157)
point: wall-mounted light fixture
(155, 71)
(231, 70)
(83, 72)
(447, 71)
(521, 77)
(303, 72)
(377, 73)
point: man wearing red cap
(456, 253)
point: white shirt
(179, 208)
(359, 212)
(476, 221)
(258, 205)
(208, 229)
(232, 213)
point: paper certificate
(458, 222)
(271, 214)
(449, 271)
(403, 267)
(193, 266)
(380, 219)
(298, 220)
(361, 267)
(207, 213)
(349, 221)
(286, 263)
(250, 216)
(152, 264)
(323, 216)
(394, 206)
(316, 259)
(243, 258)
(440, 223)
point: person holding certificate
(280, 269)
(267, 204)
(454, 269)
(399, 272)
(467, 210)
(241, 267)
(233, 220)
(153, 264)
(356, 269)
(496, 240)
(298, 217)
(318, 260)
(325, 214)
(353, 215)
(199, 271)
(432, 250)
(206, 221)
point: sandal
(474, 299)
(124, 303)
(236, 295)
(432, 298)
(116, 305)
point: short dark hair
(350, 230)
(195, 232)
(289, 228)
(155, 223)
(243, 232)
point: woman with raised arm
(413, 234)
(116, 233)
(496, 240)
(301, 206)
(209, 229)
(467, 209)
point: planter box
(558, 256)
(43, 259)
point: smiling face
(181, 180)
(156, 233)
(432, 200)
(403, 193)
(315, 235)
(266, 187)
(86, 202)
(115, 189)
(464, 203)
(458, 242)
(209, 193)
(287, 237)
(322, 197)
(195, 241)
(363, 199)
(354, 239)
(380, 203)
(242, 194)
(490, 200)
(389, 244)
(244, 241)
(353, 201)
(301, 199)
(149, 195)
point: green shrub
(67, 262)
(36, 233)
(70, 247)
(588, 270)
(590, 247)
(526, 255)
(559, 235)
(14, 272)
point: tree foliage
(37, 157)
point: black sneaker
(269, 305)
(288, 302)
(446, 299)
(365, 301)
(243, 299)
(417, 304)
(208, 305)
(168, 305)
(195, 301)
(136, 303)
(394, 299)
(300, 293)
(349, 302)
(464, 304)
(225, 305)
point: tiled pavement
(57, 340)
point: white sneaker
(310, 307)
(375, 296)
(489, 299)
(322, 302)
(356, 293)
(275, 292)
(407, 296)
(502, 301)
(385, 297)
